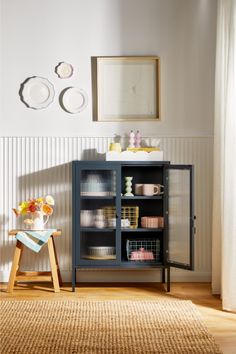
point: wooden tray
(100, 258)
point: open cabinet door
(180, 216)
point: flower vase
(128, 187)
(38, 220)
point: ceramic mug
(152, 189)
(115, 147)
(86, 218)
(138, 189)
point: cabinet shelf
(137, 197)
(100, 258)
(104, 197)
(142, 229)
(140, 265)
(95, 229)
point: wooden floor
(221, 324)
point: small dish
(64, 70)
(37, 92)
(74, 100)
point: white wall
(36, 35)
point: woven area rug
(103, 327)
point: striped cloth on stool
(34, 240)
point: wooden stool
(54, 275)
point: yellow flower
(23, 207)
(39, 200)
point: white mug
(152, 189)
(86, 218)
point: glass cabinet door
(180, 216)
(98, 216)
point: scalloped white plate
(74, 100)
(37, 92)
(64, 70)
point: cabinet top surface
(85, 162)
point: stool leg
(58, 268)
(53, 265)
(15, 266)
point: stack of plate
(101, 252)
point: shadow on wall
(55, 181)
(92, 154)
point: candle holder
(128, 187)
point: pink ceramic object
(142, 255)
(138, 139)
(149, 222)
(131, 139)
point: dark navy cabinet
(117, 231)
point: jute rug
(103, 327)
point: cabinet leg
(163, 275)
(168, 279)
(73, 279)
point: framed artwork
(126, 88)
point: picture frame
(126, 88)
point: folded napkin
(34, 239)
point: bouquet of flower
(43, 205)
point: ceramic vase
(38, 220)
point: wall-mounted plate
(74, 100)
(64, 70)
(37, 92)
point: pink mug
(152, 189)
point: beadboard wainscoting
(36, 166)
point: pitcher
(38, 220)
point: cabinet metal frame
(77, 263)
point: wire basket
(145, 250)
(130, 213)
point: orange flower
(47, 209)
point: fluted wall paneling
(36, 166)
